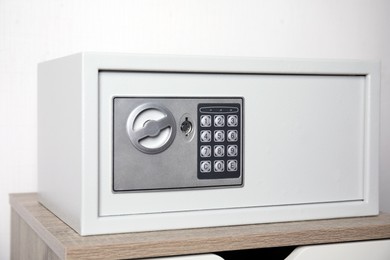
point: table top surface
(66, 243)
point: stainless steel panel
(174, 164)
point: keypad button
(219, 166)
(205, 166)
(219, 136)
(205, 121)
(205, 136)
(232, 150)
(219, 151)
(232, 165)
(232, 120)
(219, 120)
(232, 135)
(205, 151)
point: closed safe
(132, 143)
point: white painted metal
(311, 140)
(374, 250)
(60, 149)
(304, 139)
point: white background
(34, 31)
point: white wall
(33, 31)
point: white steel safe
(132, 143)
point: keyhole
(186, 127)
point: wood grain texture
(67, 244)
(25, 243)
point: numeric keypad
(219, 144)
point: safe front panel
(303, 142)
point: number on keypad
(232, 135)
(205, 151)
(232, 120)
(232, 150)
(219, 136)
(219, 151)
(219, 120)
(205, 136)
(219, 166)
(205, 121)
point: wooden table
(38, 234)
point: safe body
(120, 145)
